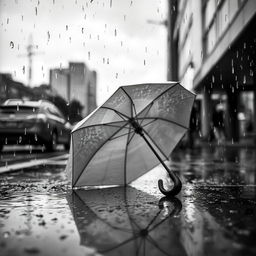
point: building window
(223, 17)
(217, 15)
(211, 38)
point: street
(213, 215)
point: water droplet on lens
(12, 44)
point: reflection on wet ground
(214, 214)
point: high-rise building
(76, 82)
(212, 50)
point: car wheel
(52, 144)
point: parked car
(33, 122)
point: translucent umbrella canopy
(126, 221)
(111, 145)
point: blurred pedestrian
(218, 123)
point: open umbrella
(126, 221)
(138, 126)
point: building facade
(76, 82)
(212, 47)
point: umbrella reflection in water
(126, 221)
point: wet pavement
(213, 215)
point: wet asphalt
(213, 215)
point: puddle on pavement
(40, 215)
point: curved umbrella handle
(176, 185)
(176, 181)
(174, 200)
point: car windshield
(18, 109)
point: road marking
(56, 160)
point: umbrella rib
(107, 124)
(151, 104)
(101, 219)
(149, 123)
(131, 138)
(118, 112)
(119, 245)
(97, 151)
(147, 228)
(164, 119)
(159, 96)
(132, 103)
(151, 240)
(125, 155)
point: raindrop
(173, 7)
(110, 3)
(7, 21)
(131, 3)
(121, 43)
(144, 62)
(146, 49)
(244, 80)
(244, 45)
(6, 234)
(124, 17)
(48, 36)
(66, 27)
(69, 39)
(233, 71)
(18, 107)
(226, 17)
(213, 79)
(103, 60)
(251, 72)
(107, 60)
(115, 32)
(22, 17)
(82, 30)
(14, 154)
(6, 141)
(202, 54)
(36, 10)
(89, 55)
(25, 131)
(12, 44)
(20, 138)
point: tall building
(76, 82)
(212, 47)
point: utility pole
(172, 44)
(30, 53)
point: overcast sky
(112, 37)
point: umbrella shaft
(156, 154)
